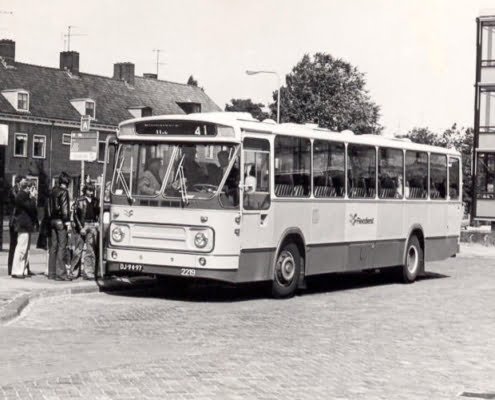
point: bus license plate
(131, 267)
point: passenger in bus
(151, 182)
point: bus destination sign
(176, 128)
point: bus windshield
(185, 171)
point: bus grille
(158, 236)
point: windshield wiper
(182, 181)
(120, 176)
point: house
(484, 121)
(41, 106)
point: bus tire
(286, 272)
(414, 260)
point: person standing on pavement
(59, 210)
(12, 232)
(26, 222)
(86, 212)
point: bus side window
(390, 173)
(454, 167)
(417, 174)
(292, 166)
(361, 171)
(438, 176)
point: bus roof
(244, 122)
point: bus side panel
(441, 248)
(455, 213)
(327, 253)
(390, 238)
(254, 265)
(290, 214)
(361, 226)
(437, 243)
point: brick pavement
(360, 336)
(15, 294)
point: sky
(418, 55)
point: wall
(56, 160)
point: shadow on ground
(183, 289)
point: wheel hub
(412, 259)
(286, 268)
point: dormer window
(85, 107)
(90, 109)
(18, 98)
(190, 107)
(141, 111)
(23, 101)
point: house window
(90, 109)
(146, 112)
(101, 151)
(66, 139)
(39, 146)
(190, 108)
(23, 101)
(20, 145)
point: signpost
(84, 145)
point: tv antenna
(5, 12)
(158, 63)
(71, 34)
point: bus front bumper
(223, 268)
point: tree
(459, 138)
(247, 105)
(191, 81)
(328, 91)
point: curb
(486, 238)
(14, 308)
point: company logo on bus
(355, 219)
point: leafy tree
(328, 91)
(191, 81)
(247, 105)
(459, 138)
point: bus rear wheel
(286, 271)
(414, 260)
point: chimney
(124, 72)
(149, 75)
(7, 51)
(69, 61)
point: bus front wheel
(286, 271)
(414, 260)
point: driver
(193, 172)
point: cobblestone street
(359, 336)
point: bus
(226, 197)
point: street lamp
(249, 72)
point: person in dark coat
(86, 215)
(26, 222)
(59, 210)
(12, 232)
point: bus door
(105, 198)
(257, 221)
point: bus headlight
(118, 234)
(200, 240)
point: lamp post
(250, 72)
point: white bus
(225, 197)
